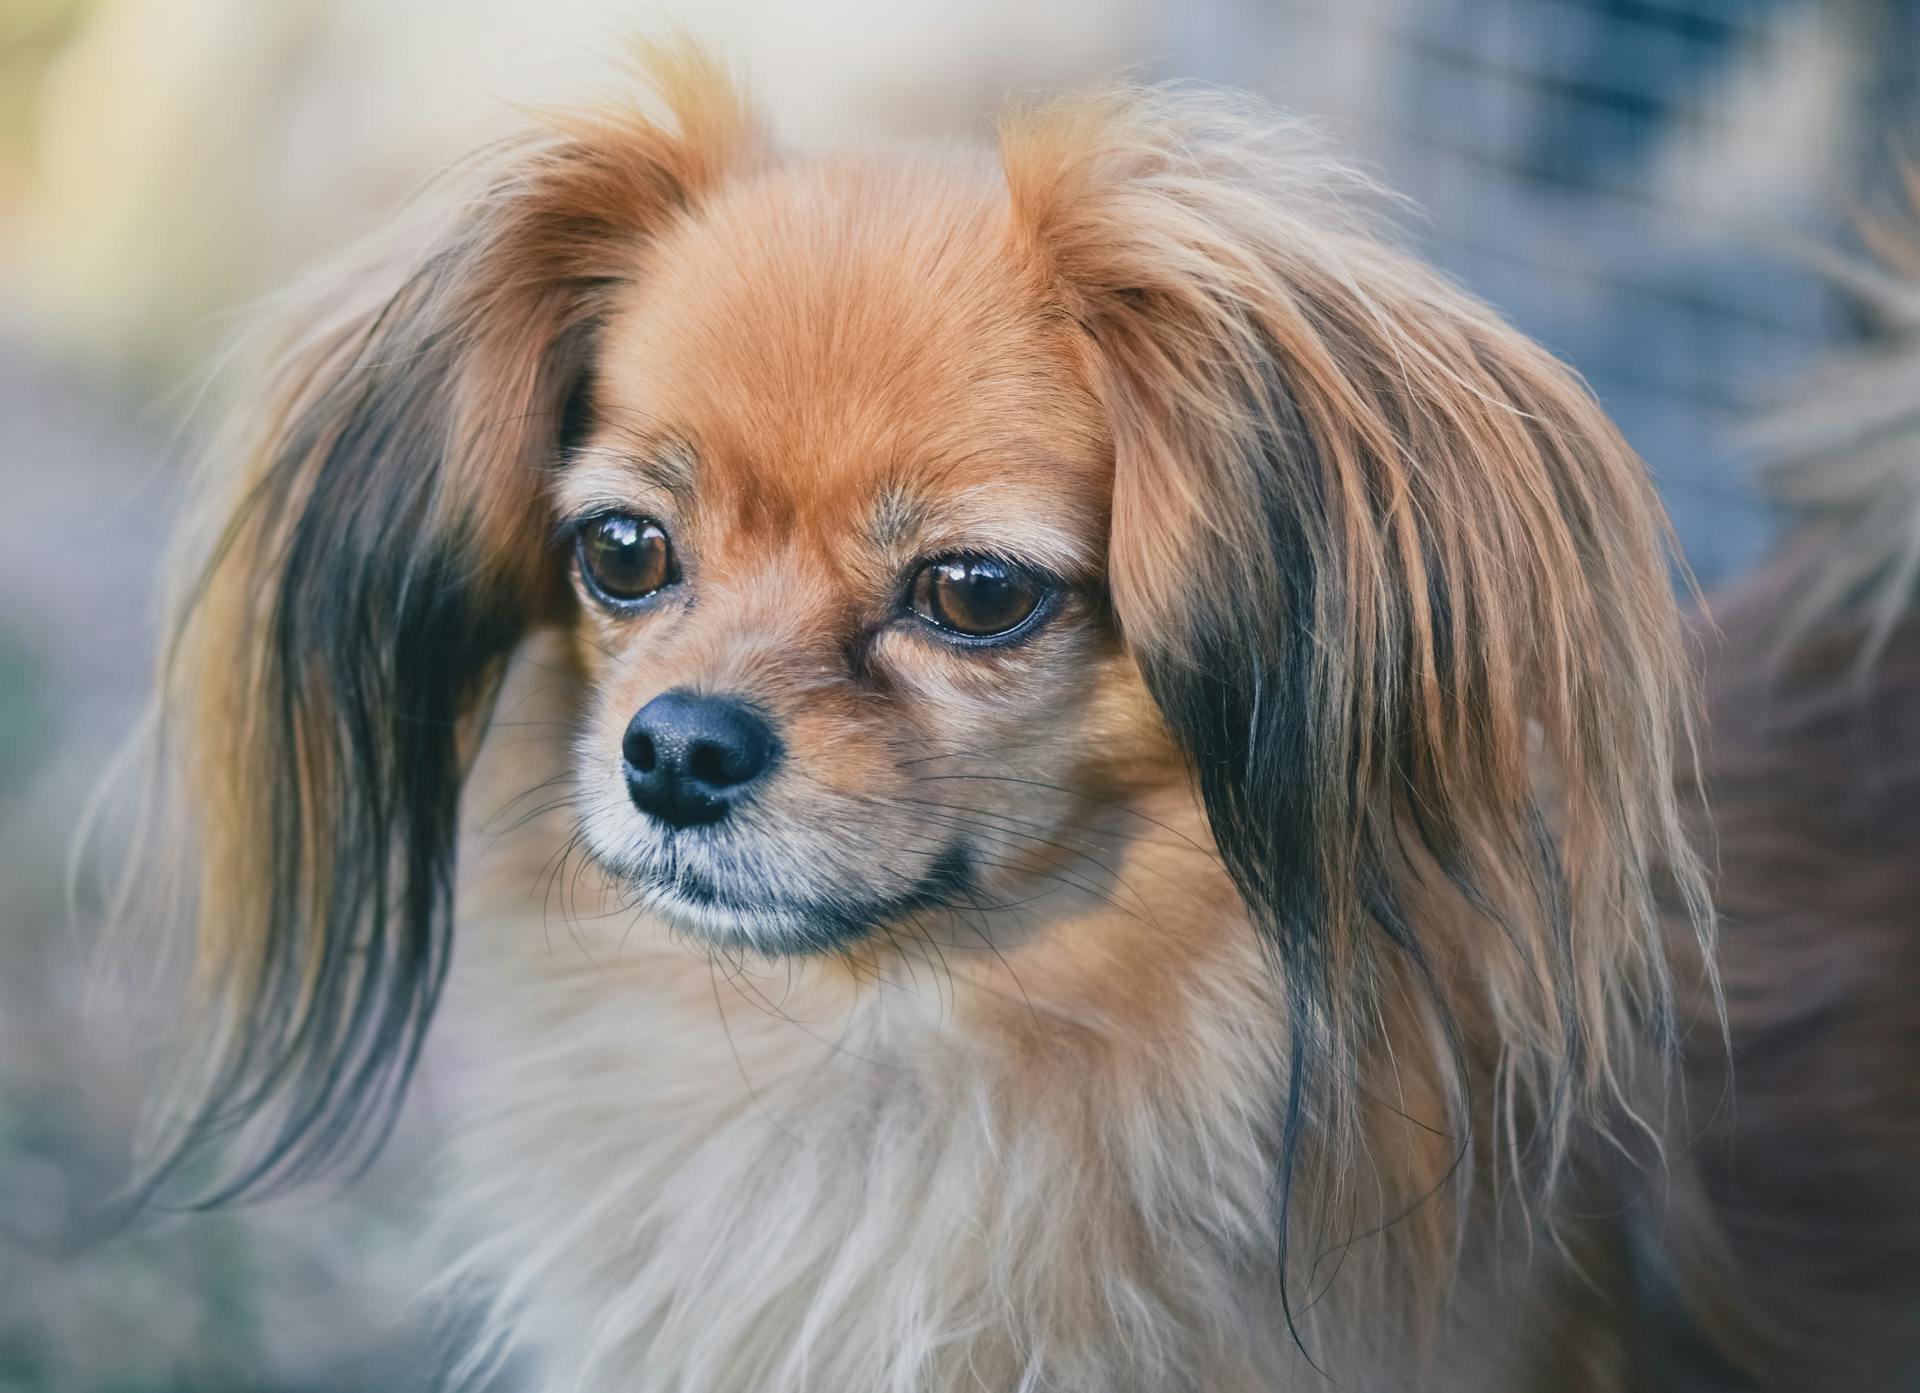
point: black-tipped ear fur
(1401, 592)
(381, 555)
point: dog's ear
(381, 546)
(1396, 584)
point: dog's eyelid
(1039, 572)
(1039, 553)
(575, 514)
(990, 551)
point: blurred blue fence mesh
(1620, 177)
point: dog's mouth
(691, 900)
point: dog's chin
(729, 919)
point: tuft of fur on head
(1398, 593)
(1423, 654)
(1846, 461)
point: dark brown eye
(976, 597)
(624, 558)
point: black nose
(690, 757)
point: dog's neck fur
(926, 1169)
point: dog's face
(837, 527)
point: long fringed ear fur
(380, 549)
(1401, 592)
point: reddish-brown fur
(1310, 838)
(1810, 1148)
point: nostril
(709, 763)
(640, 751)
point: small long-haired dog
(1068, 765)
(1813, 780)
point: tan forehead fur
(841, 341)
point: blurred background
(1635, 182)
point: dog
(1811, 783)
(1056, 768)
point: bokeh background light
(1638, 183)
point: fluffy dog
(1813, 781)
(1068, 758)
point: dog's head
(925, 528)
(838, 561)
